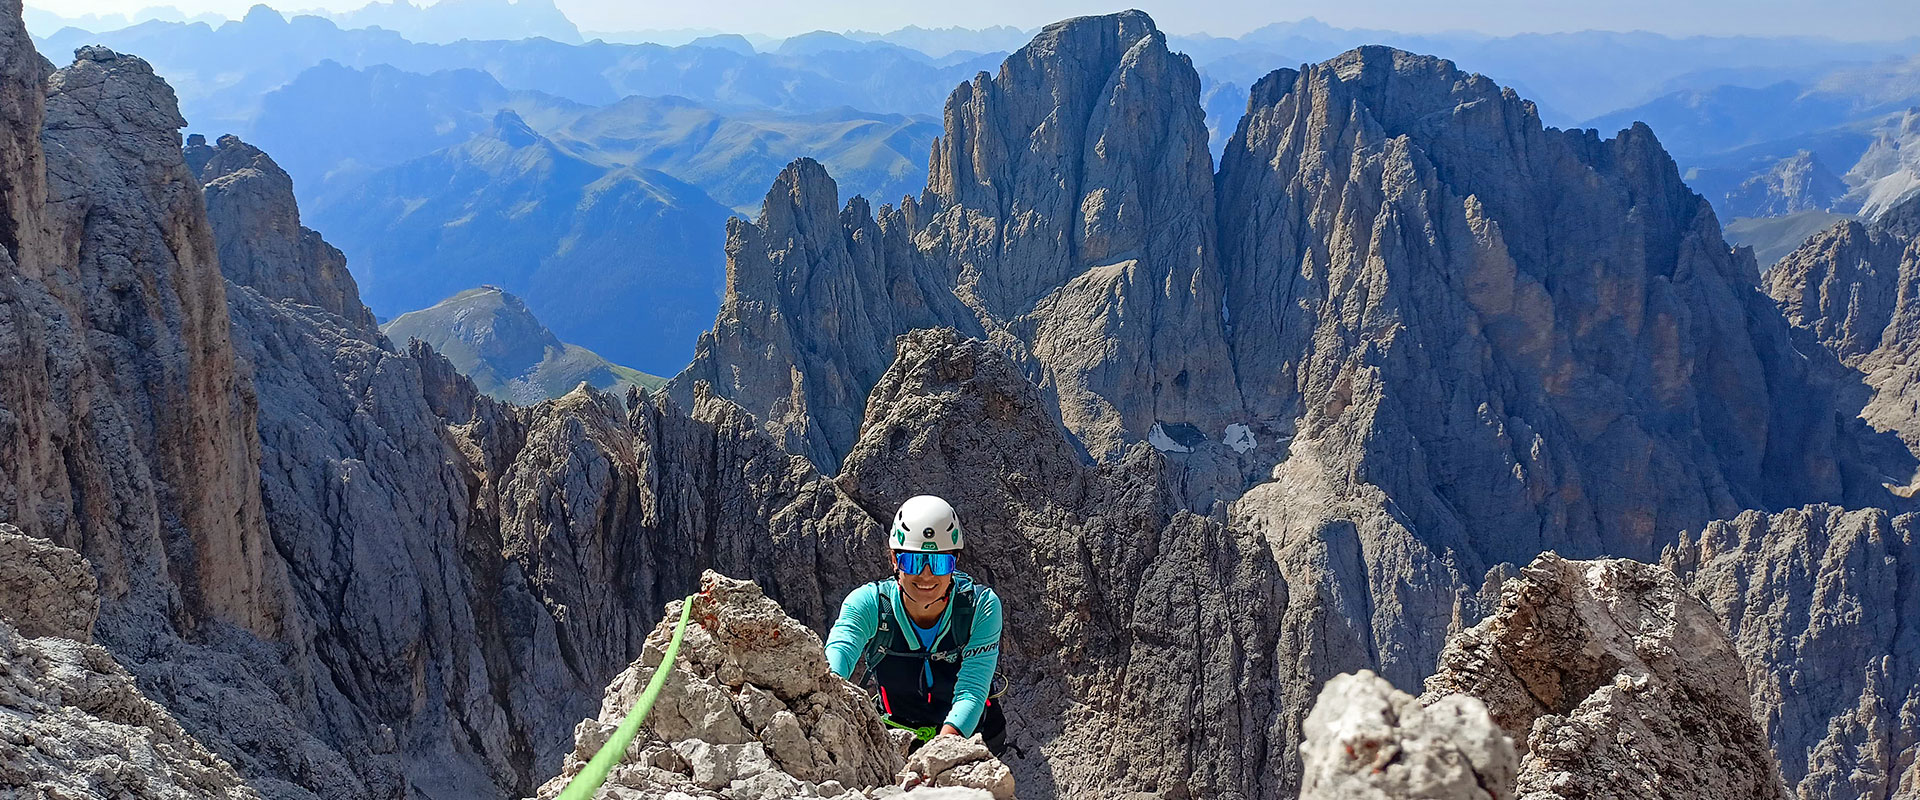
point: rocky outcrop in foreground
(72, 721)
(1612, 681)
(1615, 683)
(1366, 740)
(750, 712)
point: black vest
(897, 666)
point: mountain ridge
(1477, 339)
(491, 337)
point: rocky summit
(492, 338)
(750, 711)
(1219, 436)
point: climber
(929, 636)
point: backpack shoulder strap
(959, 626)
(886, 630)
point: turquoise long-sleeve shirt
(860, 617)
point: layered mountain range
(1221, 435)
(589, 247)
(1836, 138)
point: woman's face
(924, 588)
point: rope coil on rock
(584, 785)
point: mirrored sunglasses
(913, 563)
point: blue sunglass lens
(914, 563)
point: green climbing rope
(923, 734)
(588, 781)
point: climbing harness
(583, 785)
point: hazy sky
(1846, 19)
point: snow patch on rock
(1161, 441)
(1240, 437)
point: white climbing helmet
(925, 523)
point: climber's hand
(946, 730)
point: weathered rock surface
(1068, 218)
(1615, 682)
(1821, 604)
(1406, 295)
(1855, 289)
(129, 438)
(1366, 740)
(72, 722)
(46, 589)
(749, 707)
(261, 241)
(952, 761)
(130, 435)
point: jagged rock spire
(1068, 215)
(1528, 338)
(261, 241)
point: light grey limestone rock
(1615, 682)
(1820, 603)
(1369, 741)
(74, 724)
(46, 589)
(72, 721)
(737, 637)
(950, 760)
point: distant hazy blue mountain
(337, 124)
(1224, 104)
(1832, 141)
(626, 262)
(42, 22)
(941, 42)
(492, 337)
(221, 74)
(453, 20)
(725, 41)
(334, 124)
(1694, 123)
(735, 156)
(1571, 76)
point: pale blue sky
(1845, 19)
